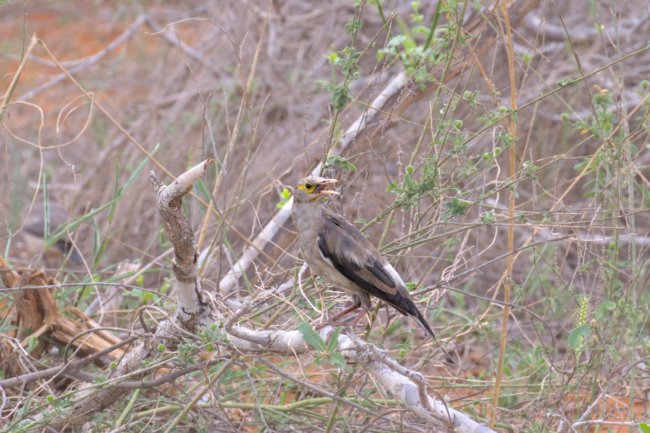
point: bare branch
(62, 369)
(405, 385)
(181, 235)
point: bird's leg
(334, 321)
(351, 323)
(355, 305)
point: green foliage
(577, 337)
(212, 334)
(346, 62)
(417, 47)
(187, 352)
(488, 217)
(411, 285)
(605, 309)
(312, 338)
(530, 169)
(326, 351)
(471, 97)
(353, 26)
(341, 162)
(143, 297)
(340, 96)
(567, 82)
(583, 331)
(412, 187)
(361, 221)
(455, 207)
(285, 195)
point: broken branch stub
(406, 385)
(178, 228)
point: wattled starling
(337, 251)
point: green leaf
(340, 97)
(411, 285)
(338, 360)
(339, 161)
(147, 296)
(644, 427)
(408, 43)
(604, 308)
(32, 342)
(285, 195)
(577, 336)
(423, 30)
(333, 342)
(566, 82)
(455, 207)
(311, 337)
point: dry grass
(431, 186)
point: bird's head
(311, 188)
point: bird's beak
(324, 184)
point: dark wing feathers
(354, 255)
(356, 258)
(378, 271)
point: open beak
(323, 192)
(322, 188)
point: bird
(336, 250)
(37, 231)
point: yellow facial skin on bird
(316, 187)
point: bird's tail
(420, 317)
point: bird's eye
(309, 186)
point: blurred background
(254, 86)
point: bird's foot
(344, 312)
(337, 322)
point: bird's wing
(355, 257)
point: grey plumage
(57, 217)
(337, 251)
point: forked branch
(195, 311)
